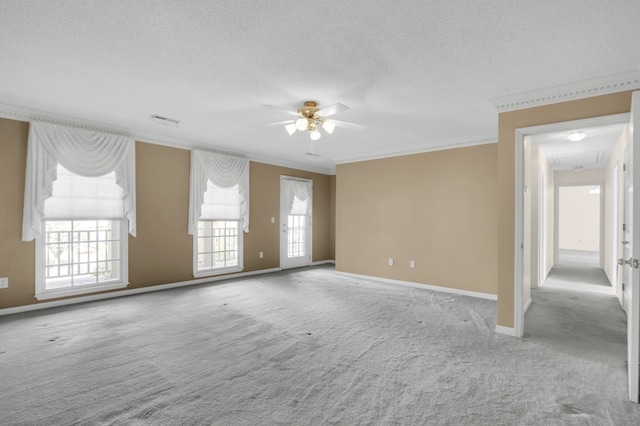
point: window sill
(77, 291)
(214, 272)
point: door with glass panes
(296, 204)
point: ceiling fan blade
(347, 125)
(278, 123)
(286, 111)
(332, 109)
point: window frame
(41, 291)
(221, 270)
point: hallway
(575, 312)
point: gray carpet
(577, 276)
(307, 347)
(579, 258)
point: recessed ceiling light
(172, 122)
(576, 136)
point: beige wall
(436, 208)
(578, 218)
(17, 258)
(569, 177)
(265, 204)
(332, 218)
(508, 122)
(162, 251)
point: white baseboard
(507, 331)
(323, 262)
(528, 305)
(130, 292)
(423, 286)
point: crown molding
(398, 152)
(629, 80)
(291, 164)
(25, 114)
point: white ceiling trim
(629, 80)
(23, 114)
(413, 150)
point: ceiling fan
(311, 119)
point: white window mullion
(82, 262)
(219, 242)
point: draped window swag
(81, 152)
(218, 175)
(296, 194)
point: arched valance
(223, 171)
(300, 191)
(82, 152)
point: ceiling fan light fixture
(576, 136)
(302, 124)
(291, 128)
(311, 119)
(329, 126)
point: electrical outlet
(273, 219)
(4, 282)
(261, 255)
(390, 261)
(412, 264)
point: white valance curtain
(297, 196)
(54, 148)
(78, 197)
(225, 180)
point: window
(218, 238)
(79, 205)
(219, 247)
(77, 256)
(218, 212)
(297, 231)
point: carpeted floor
(311, 347)
(582, 258)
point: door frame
(633, 316)
(283, 224)
(626, 274)
(521, 134)
(615, 224)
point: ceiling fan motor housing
(309, 110)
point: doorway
(296, 207)
(522, 136)
(579, 225)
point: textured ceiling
(414, 73)
(593, 152)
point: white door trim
(615, 200)
(521, 133)
(633, 316)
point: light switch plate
(4, 282)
